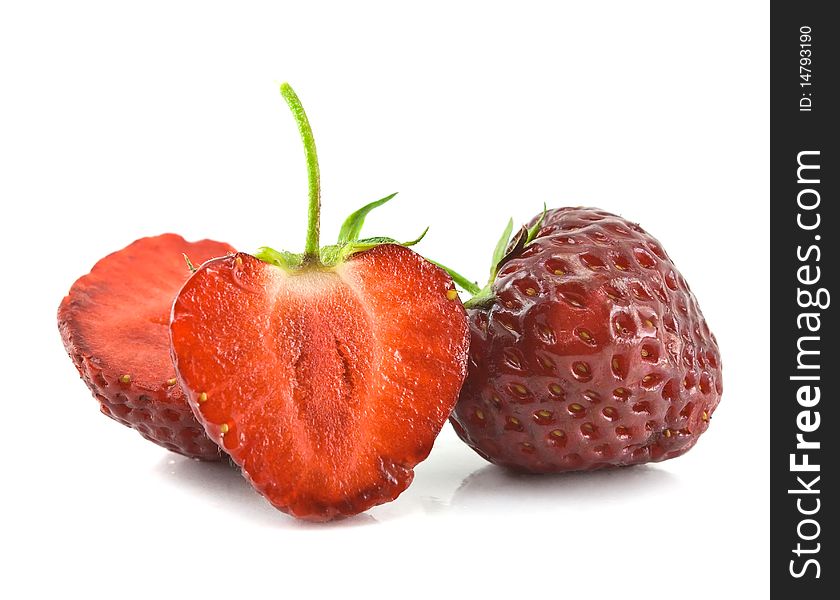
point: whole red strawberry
(113, 323)
(588, 350)
(325, 375)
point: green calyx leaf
(348, 243)
(368, 243)
(348, 237)
(352, 226)
(286, 260)
(535, 229)
(505, 249)
(471, 287)
(506, 246)
(501, 247)
(190, 264)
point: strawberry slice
(114, 325)
(327, 387)
(325, 375)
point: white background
(119, 122)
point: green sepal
(366, 243)
(329, 256)
(416, 240)
(499, 252)
(471, 287)
(516, 244)
(352, 226)
(483, 299)
(190, 264)
(286, 260)
(332, 255)
(507, 246)
(533, 231)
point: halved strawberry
(325, 375)
(326, 385)
(114, 325)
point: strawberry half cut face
(327, 385)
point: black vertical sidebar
(804, 225)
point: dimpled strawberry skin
(593, 353)
(114, 326)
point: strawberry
(114, 324)
(325, 375)
(587, 350)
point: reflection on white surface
(452, 481)
(222, 484)
(489, 487)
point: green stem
(312, 249)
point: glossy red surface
(327, 386)
(594, 353)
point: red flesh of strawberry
(327, 386)
(593, 353)
(114, 325)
